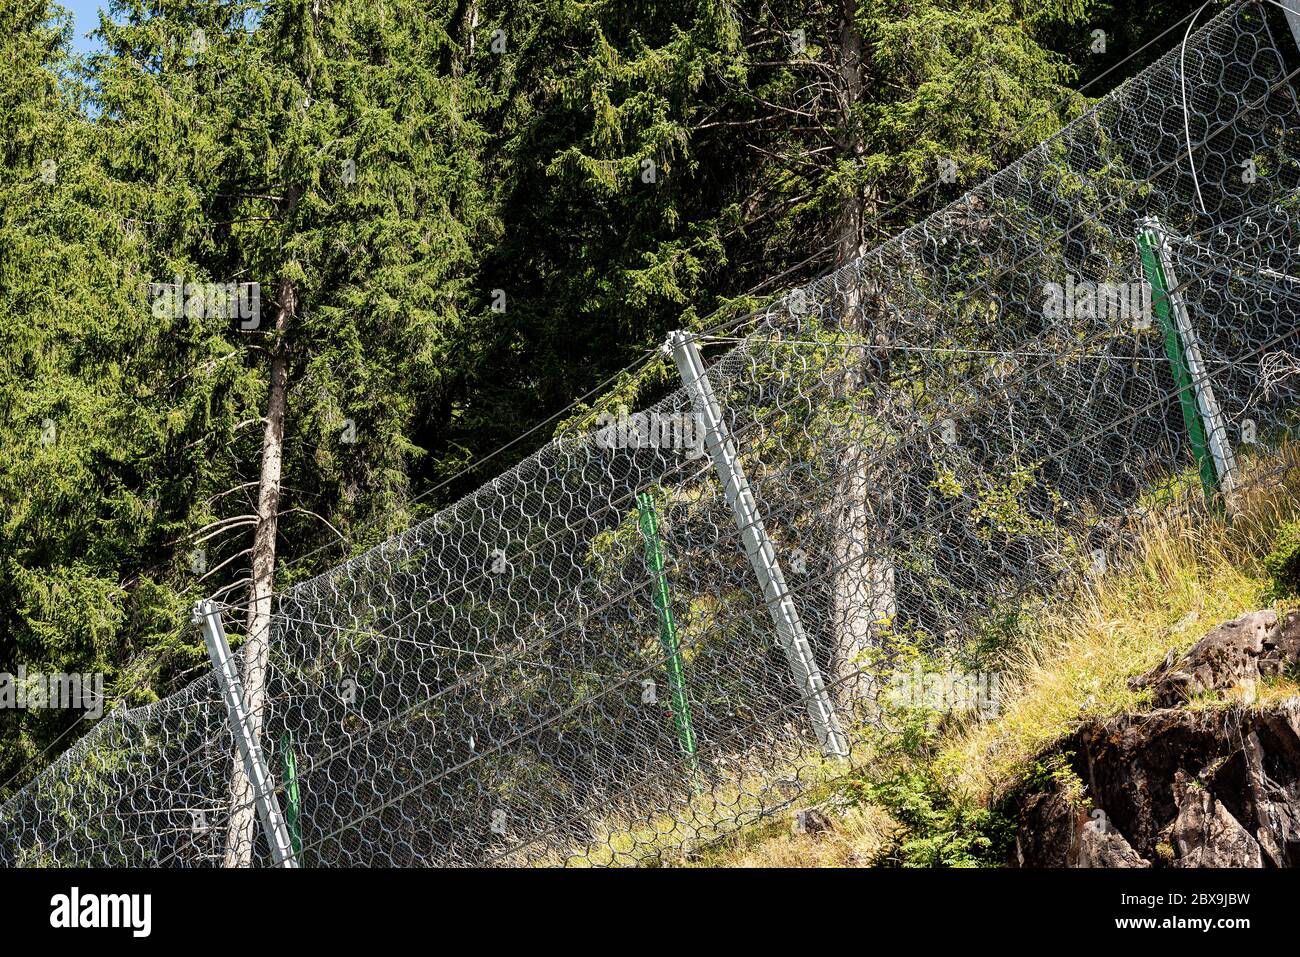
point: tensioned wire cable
(943, 350)
(1183, 285)
(1274, 205)
(655, 666)
(748, 317)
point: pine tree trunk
(241, 834)
(862, 590)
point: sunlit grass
(854, 840)
(1189, 571)
(1188, 574)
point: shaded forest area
(276, 276)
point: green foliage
(939, 829)
(759, 169)
(1053, 772)
(394, 164)
(939, 826)
(1283, 562)
(1008, 628)
(1000, 509)
(130, 441)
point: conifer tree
(351, 162)
(775, 136)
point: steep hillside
(1151, 719)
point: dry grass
(1188, 574)
(854, 841)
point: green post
(654, 558)
(1162, 307)
(293, 806)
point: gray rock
(1214, 787)
(1254, 646)
(812, 821)
(1206, 834)
(1046, 835)
(1102, 845)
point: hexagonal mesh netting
(579, 663)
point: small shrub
(1054, 772)
(939, 828)
(1283, 563)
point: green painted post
(293, 806)
(1161, 306)
(654, 558)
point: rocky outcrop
(1206, 834)
(1101, 845)
(1206, 787)
(1237, 654)
(1056, 833)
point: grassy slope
(1189, 573)
(1187, 576)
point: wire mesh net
(583, 661)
